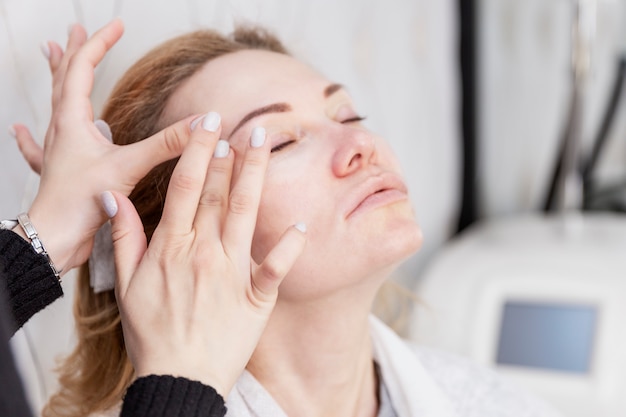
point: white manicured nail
(104, 128)
(12, 131)
(109, 204)
(195, 122)
(300, 226)
(258, 137)
(221, 149)
(45, 49)
(211, 121)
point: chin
(405, 243)
(393, 243)
(398, 233)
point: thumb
(31, 151)
(160, 147)
(129, 239)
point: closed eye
(354, 119)
(282, 145)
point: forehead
(239, 82)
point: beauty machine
(542, 300)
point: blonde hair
(96, 374)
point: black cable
(468, 62)
(603, 132)
(556, 187)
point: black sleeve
(12, 398)
(30, 282)
(164, 395)
(28, 285)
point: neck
(321, 357)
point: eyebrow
(272, 108)
(279, 108)
(331, 89)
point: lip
(376, 191)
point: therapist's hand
(194, 303)
(78, 162)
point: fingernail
(195, 122)
(45, 49)
(258, 137)
(104, 129)
(69, 29)
(12, 131)
(221, 149)
(300, 226)
(211, 121)
(109, 204)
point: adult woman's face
(326, 168)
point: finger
(79, 77)
(55, 60)
(185, 187)
(55, 56)
(167, 144)
(243, 202)
(129, 239)
(76, 39)
(214, 198)
(31, 151)
(268, 276)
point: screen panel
(552, 336)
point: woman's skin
(326, 168)
(193, 303)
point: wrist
(55, 236)
(28, 229)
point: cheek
(281, 206)
(289, 196)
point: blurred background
(477, 97)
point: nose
(355, 150)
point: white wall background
(397, 57)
